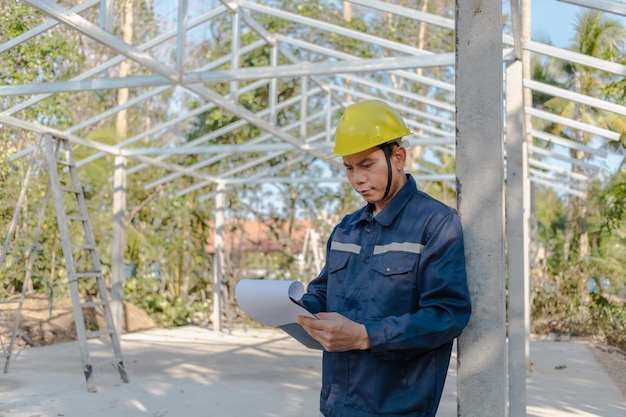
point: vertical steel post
(218, 258)
(181, 36)
(107, 14)
(304, 107)
(481, 383)
(119, 243)
(235, 51)
(274, 54)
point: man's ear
(399, 158)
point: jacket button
(327, 411)
(388, 269)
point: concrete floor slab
(193, 371)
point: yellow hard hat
(365, 125)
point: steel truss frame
(323, 79)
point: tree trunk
(580, 208)
(581, 220)
(569, 226)
(347, 11)
(121, 119)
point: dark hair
(390, 146)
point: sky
(555, 20)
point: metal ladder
(30, 252)
(82, 264)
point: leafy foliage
(562, 301)
(166, 309)
(582, 237)
(612, 203)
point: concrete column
(517, 226)
(481, 383)
(119, 243)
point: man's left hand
(335, 332)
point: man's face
(367, 173)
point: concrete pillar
(517, 226)
(481, 383)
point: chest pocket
(339, 280)
(337, 261)
(392, 289)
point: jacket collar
(386, 216)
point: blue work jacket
(401, 273)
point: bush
(608, 321)
(565, 308)
(166, 309)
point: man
(393, 293)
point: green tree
(46, 57)
(600, 37)
(577, 243)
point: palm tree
(600, 37)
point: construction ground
(194, 371)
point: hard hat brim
(398, 140)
